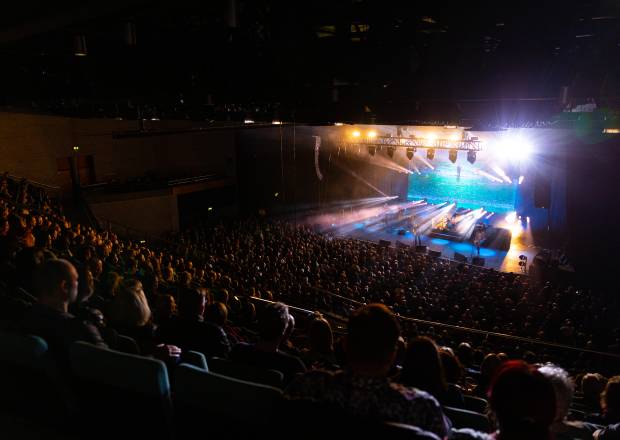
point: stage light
(372, 150)
(209, 208)
(452, 154)
(527, 219)
(430, 153)
(432, 138)
(521, 178)
(372, 134)
(248, 121)
(276, 122)
(390, 151)
(410, 152)
(338, 124)
(356, 134)
(471, 156)
(511, 217)
(454, 137)
(515, 148)
(76, 148)
(611, 130)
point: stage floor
(494, 258)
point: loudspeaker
(385, 243)
(460, 258)
(434, 254)
(542, 191)
(478, 261)
(420, 249)
(401, 232)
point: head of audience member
(109, 285)
(452, 368)
(27, 261)
(192, 303)
(489, 367)
(422, 367)
(592, 385)
(86, 285)
(165, 308)
(370, 345)
(217, 313)
(130, 308)
(221, 296)
(320, 336)
(273, 321)
(563, 387)
(523, 402)
(610, 399)
(56, 284)
(465, 354)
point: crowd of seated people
(67, 282)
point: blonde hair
(130, 306)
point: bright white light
(372, 134)
(511, 217)
(356, 134)
(432, 137)
(276, 122)
(527, 219)
(521, 178)
(455, 137)
(514, 148)
(501, 173)
(248, 121)
(338, 124)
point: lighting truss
(410, 142)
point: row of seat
(106, 393)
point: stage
(507, 237)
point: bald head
(57, 282)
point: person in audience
(488, 369)
(320, 353)
(522, 402)
(272, 326)
(592, 386)
(130, 315)
(610, 404)
(423, 369)
(363, 389)
(563, 387)
(189, 330)
(56, 286)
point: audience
(363, 388)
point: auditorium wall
(34, 146)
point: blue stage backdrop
(469, 185)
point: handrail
(299, 309)
(34, 182)
(481, 332)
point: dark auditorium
(307, 219)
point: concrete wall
(154, 214)
(30, 146)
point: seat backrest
(133, 392)
(30, 381)
(246, 372)
(462, 418)
(475, 404)
(239, 408)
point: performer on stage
(478, 237)
(415, 230)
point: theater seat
(213, 404)
(121, 394)
(31, 384)
(246, 372)
(475, 404)
(462, 418)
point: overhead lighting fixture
(452, 155)
(372, 134)
(521, 179)
(356, 134)
(390, 151)
(430, 153)
(372, 150)
(471, 156)
(611, 130)
(409, 152)
(248, 121)
(276, 122)
(338, 124)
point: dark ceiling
(315, 61)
